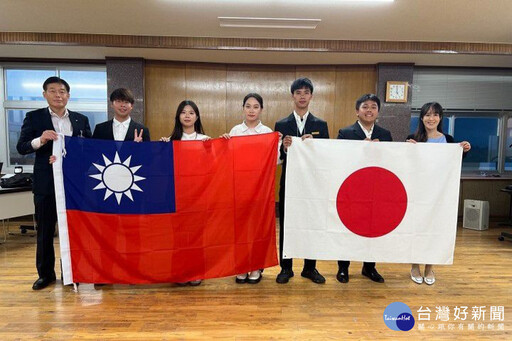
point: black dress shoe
(313, 275)
(42, 283)
(342, 275)
(373, 275)
(284, 276)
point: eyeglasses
(55, 92)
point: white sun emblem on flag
(117, 178)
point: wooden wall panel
(251, 44)
(351, 83)
(271, 82)
(165, 89)
(218, 90)
(206, 86)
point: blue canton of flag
(119, 177)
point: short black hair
(255, 96)
(55, 79)
(368, 97)
(122, 94)
(301, 83)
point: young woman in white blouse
(252, 108)
(187, 127)
(187, 124)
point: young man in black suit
(40, 128)
(299, 123)
(367, 111)
(121, 127)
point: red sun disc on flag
(371, 202)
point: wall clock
(396, 92)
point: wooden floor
(220, 309)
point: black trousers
(287, 264)
(46, 218)
(344, 264)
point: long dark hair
(421, 133)
(177, 133)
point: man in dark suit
(40, 128)
(303, 124)
(367, 111)
(121, 127)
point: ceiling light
(251, 22)
(445, 51)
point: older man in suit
(40, 128)
(367, 111)
(303, 124)
(122, 127)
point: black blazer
(354, 132)
(105, 131)
(288, 126)
(34, 124)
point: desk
(509, 222)
(15, 202)
(509, 192)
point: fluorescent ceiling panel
(251, 22)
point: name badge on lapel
(315, 133)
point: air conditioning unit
(476, 215)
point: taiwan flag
(368, 201)
(157, 212)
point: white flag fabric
(368, 201)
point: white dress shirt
(193, 136)
(243, 129)
(368, 133)
(120, 129)
(301, 123)
(62, 125)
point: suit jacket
(288, 126)
(105, 131)
(354, 132)
(34, 124)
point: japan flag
(368, 201)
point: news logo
(398, 316)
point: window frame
(501, 115)
(506, 115)
(5, 105)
